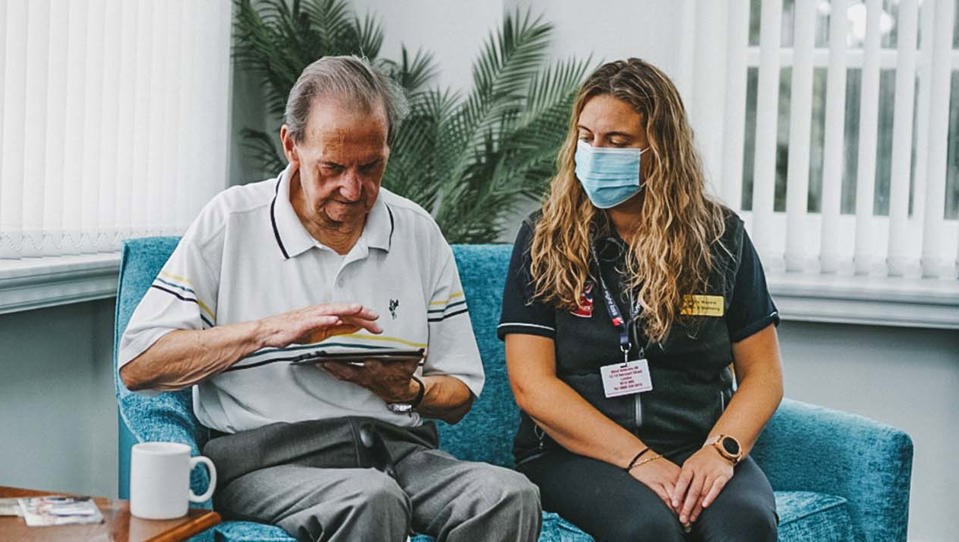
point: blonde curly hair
(672, 254)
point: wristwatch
(728, 447)
(407, 408)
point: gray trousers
(316, 481)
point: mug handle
(194, 461)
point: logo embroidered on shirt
(394, 303)
(584, 307)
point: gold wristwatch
(727, 446)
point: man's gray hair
(349, 78)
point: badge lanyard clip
(614, 313)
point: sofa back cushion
(485, 433)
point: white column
(797, 176)
(939, 85)
(767, 118)
(830, 253)
(734, 124)
(897, 258)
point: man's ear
(289, 146)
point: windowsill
(35, 283)
(879, 301)
(904, 302)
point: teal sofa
(837, 476)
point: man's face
(339, 164)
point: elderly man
(322, 257)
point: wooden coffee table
(118, 525)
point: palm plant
(276, 39)
(471, 159)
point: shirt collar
(292, 237)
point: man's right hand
(185, 357)
(317, 323)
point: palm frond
(470, 159)
(264, 150)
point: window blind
(840, 132)
(114, 118)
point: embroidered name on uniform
(702, 305)
(394, 303)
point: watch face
(731, 446)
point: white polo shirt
(247, 256)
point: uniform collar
(292, 237)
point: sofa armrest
(163, 417)
(811, 448)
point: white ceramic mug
(160, 480)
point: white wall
(58, 415)
(907, 378)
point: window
(114, 120)
(851, 136)
(113, 124)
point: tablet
(357, 357)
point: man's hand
(316, 323)
(703, 477)
(389, 380)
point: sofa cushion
(247, 531)
(805, 516)
(555, 529)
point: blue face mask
(609, 176)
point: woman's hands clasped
(686, 490)
(701, 479)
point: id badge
(626, 378)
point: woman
(629, 296)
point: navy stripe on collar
(392, 225)
(276, 231)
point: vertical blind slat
(14, 96)
(897, 257)
(54, 141)
(868, 130)
(735, 107)
(126, 93)
(830, 253)
(34, 128)
(797, 175)
(767, 118)
(109, 131)
(939, 86)
(93, 113)
(73, 128)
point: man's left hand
(389, 380)
(702, 478)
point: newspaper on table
(58, 510)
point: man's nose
(350, 186)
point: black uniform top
(690, 372)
